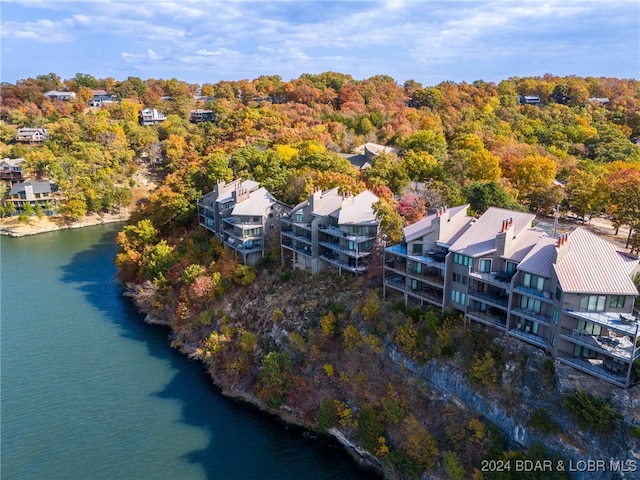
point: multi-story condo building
(572, 296)
(241, 214)
(417, 266)
(330, 230)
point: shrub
(326, 417)
(243, 275)
(274, 378)
(484, 370)
(452, 466)
(541, 420)
(592, 412)
(370, 428)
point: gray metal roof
(593, 265)
(38, 187)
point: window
(593, 302)
(416, 285)
(589, 328)
(555, 316)
(417, 249)
(580, 351)
(479, 306)
(299, 218)
(530, 304)
(558, 293)
(458, 278)
(485, 265)
(416, 267)
(462, 259)
(552, 339)
(533, 281)
(511, 267)
(458, 297)
(617, 301)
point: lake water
(91, 392)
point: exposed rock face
(575, 445)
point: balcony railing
(498, 278)
(490, 297)
(621, 347)
(598, 367)
(543, 295)
(538, 317)
(626, 323)
(493, 317)
(528, 337)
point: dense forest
(294, 344)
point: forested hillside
(326, 352)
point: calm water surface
(88, 391)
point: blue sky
(202, 41)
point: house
(598, 100)
(241, 214)
(34, 194)
(330, 230)
(572, 296)
(151, 116)
(363, 155)
(101, 97)
(529, 99)
(32, 136)
(56, 95)
(11, 170)
(200, 115)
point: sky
(429, 41)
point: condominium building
(330, 229)
(572, 296)
(241, 214)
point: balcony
(495, 298)
(396, 281)
(502, 279)
(600, 368)
(529, 337)
(336, 261)
(355, 253)
(491, 316)
(532, 292)
(399, 249)
(333, 246)
(620, 347)
(329, 230)
(427, 293)
(528, 314)
(625, 323)
(430, 276)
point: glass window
(617, 301)
(417, 249)
(555, 316)
(533, 281)
(485, 265)
(593, 303)
(298, 218)
(511, 267)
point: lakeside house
(572, 296)
(11, 170)
(330, 230)
(32, 136)
(34, 194)
(100, 97)
(57, 95)
(151, 116)
(242, 215)
(200, 115)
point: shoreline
(12, 227)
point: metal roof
(593, 265)
(539, 260)
(256, 205)
(359, 210)
(480, 238)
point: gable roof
(593, 265)
(359, 211)
(480, 237)
(539, 260)
(256, 205)
(37, 187)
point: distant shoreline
(12, 227)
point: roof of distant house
(12, 162)
(38, 187)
